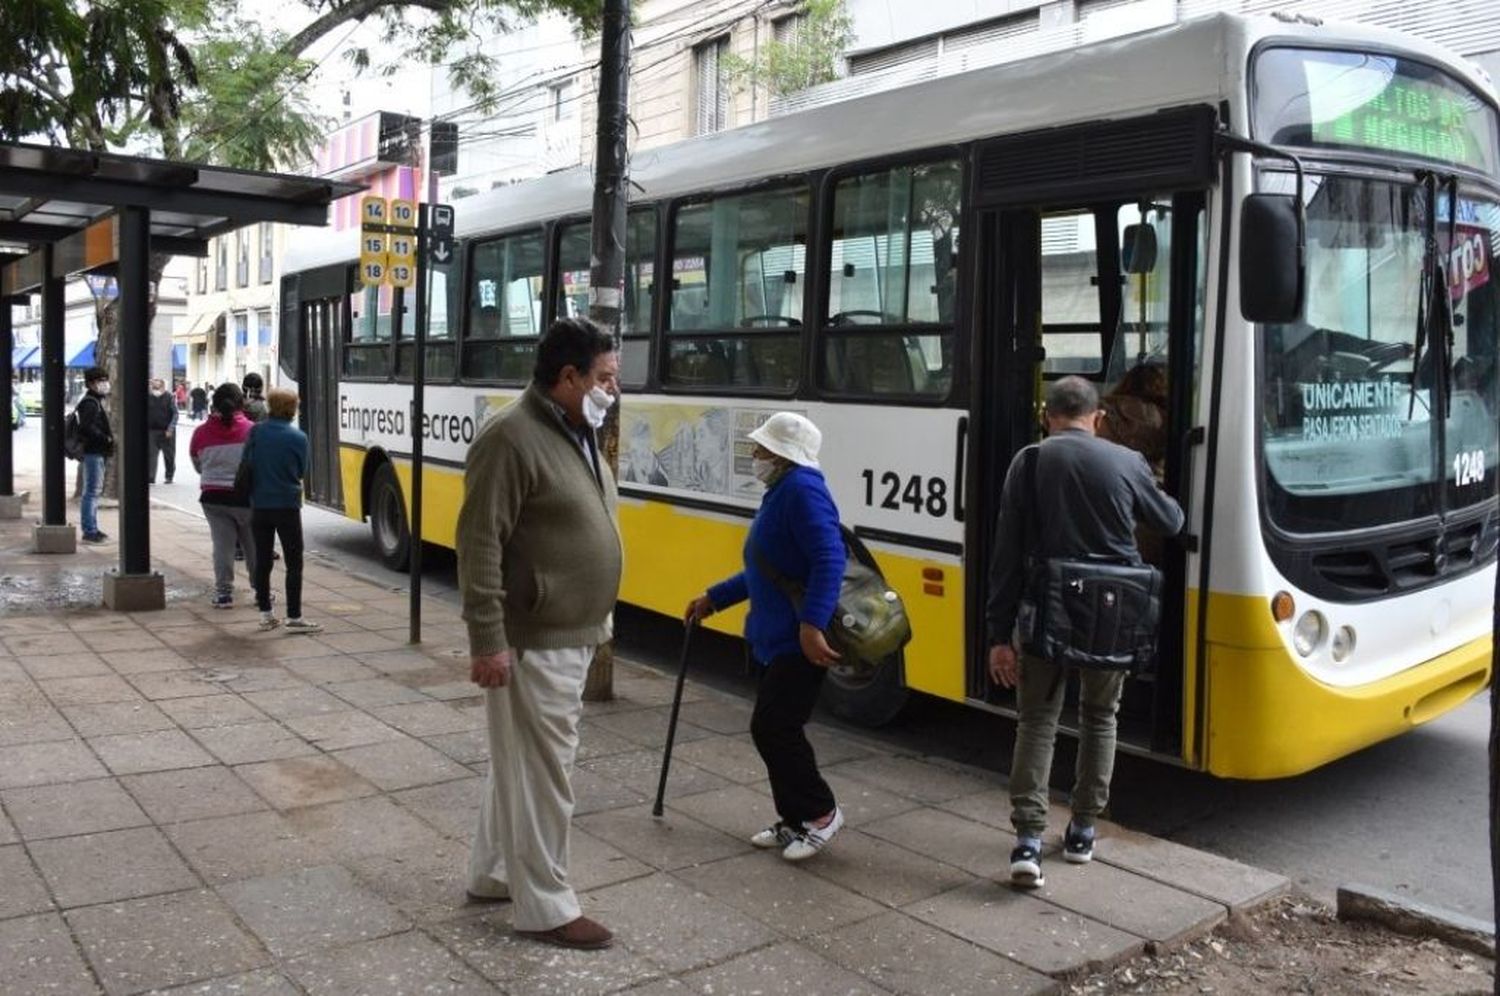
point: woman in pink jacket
(215, 450)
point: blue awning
(84, 357)
(179, 357)
(19, 355)
(31, 361)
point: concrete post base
(54, 539)
(10, 505)
(134, 592)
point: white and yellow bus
(909, 268)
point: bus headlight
(1343, 643)
(1309, 632)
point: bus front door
(322, 332)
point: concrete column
(53, 534)
(134, 586)
(10, 502)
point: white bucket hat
(789, 435)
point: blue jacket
(277, 451)
(796, 531)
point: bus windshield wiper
(1433, 300)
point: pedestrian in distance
(216, 450)
(161, 430)
(180, 393)
(795, 537)
(1088, 496)
(98, 443)
(200, 403)
(255, 401)
(539, 560)
(276, 452)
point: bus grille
(1410, 564)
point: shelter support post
(10, 502)
(53, 534)
(134, 586)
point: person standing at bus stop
(539, 561)
(98, 446)
(277, 453)
(161, 425)
(794, 543)
(1089, 494)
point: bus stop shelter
(67, 212)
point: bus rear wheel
(868, 695)
(388, 519)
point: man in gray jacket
(1090, 493)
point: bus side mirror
(1139, 249)
(1273, 270)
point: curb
(1407, 916)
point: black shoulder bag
(1094, 612)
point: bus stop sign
(440, 234)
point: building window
(711, 85)
(267, 241)
(203, 275)
(561, 96)
(788, 30)
(242, 258)
(221, 268)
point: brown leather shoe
(474, 897)
(581, 933)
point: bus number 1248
(922, 494)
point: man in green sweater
(539, 558)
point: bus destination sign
(1409, 116)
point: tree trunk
(607, 273)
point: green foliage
(812, 56)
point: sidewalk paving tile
(373, 825)
(32, 723)
(362, 642)
(520, 965)
(65, 666)
(640, 771)
(337, 669)
(401, 764)
(1138, 905)
(673, 925)
(731, 757)
(426, 882)
(426, 719)
(302, 700)
(371, 693)
(109, 640)
(163, 941)
(780, 894)
(29, 640)
(595, 741)
(451, 808)
(992, 808)
(785, 969)
(450, 690)
(1039, 935)
(192, 794)
(109, 718)
(22, 765)
(310, 909)
(249, 743)
(718, 713)
(675, 841)
(304, 781)
(109, 866)
(24, 891)
(210, 710)
(158, 685)
(734, 809)
(266, 982)
(974, 847)
(648, 727)
(834, 747)
(914, 959)
(593, 863)
(146, 661)
(84, 691)
(247, 845)
(1220, 879)
(72, 808)
(8, 834)
(882, 871)
(41, 960)
(863, 803)
(258, 676)
(403, 661)
(468, 747)
(158, 750)
(345, 728)
(399, 965)
(920, 780)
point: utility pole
(607, 269)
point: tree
(812, 55)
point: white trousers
(521, 849)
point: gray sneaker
(300, 625)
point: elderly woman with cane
(794, 563)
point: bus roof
(1121, 76)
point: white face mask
(764, 469)
(596, 405)
(102, 387)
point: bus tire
(388, 524)
(867, 696)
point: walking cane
(666, 754)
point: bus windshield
(1353, 431)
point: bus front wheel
(864, 694)
(388, 518)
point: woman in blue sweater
(795, 544)
(277, 454)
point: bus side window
(739, 270)
(893, 282)
(640, 289)
(505, 308)
(442, 329)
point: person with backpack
(255, 402)
(94, 443)
(794, 542)
(216, 450)
(161, 428)
(200, 403)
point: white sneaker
(268, 622)
(812, 839)
(778, 834)
(300, 625)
